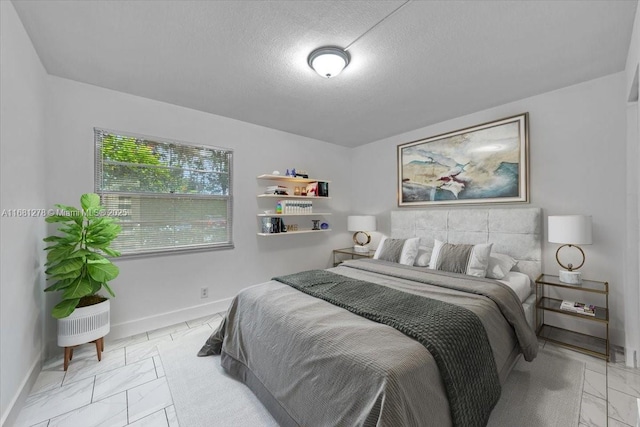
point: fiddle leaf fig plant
(77, 262)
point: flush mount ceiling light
(328, 61)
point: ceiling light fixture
(328, 61)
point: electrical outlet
(204, 292)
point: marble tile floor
(128, 387)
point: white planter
(85, 324)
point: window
(169, 196)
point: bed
(313, 360)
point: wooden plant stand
(68, 351)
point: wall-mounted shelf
(298, 214)
(290, 178)
(285, 196)
(289, 206)
(293, 232)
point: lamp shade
(361, 223)
(570, 229)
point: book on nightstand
(578, 307)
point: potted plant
(78, 266)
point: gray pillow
(391, 250)
(472, 260)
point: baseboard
(15, 406)
(631, 358)
(145, 324)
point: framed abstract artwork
(487, 163)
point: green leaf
(58, 218)
(59, 253)
(80, 253)
(78, 289)
(72, 275)
(103, 272)
(72, 227)
(65, 308)
(76, 235)
(95, 286)
(74, 213)
(111, 252)
(59, 285)
(66, 267)
(90, 204)
(108, 288)
(60, 239)
(98, 222)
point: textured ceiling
(429, 62)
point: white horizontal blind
(168, 195)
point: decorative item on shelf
(275, 173)
(324, 226)
(266, 225)
(277, 189)
(279, 207)
(296, 191)
(578, 307)
(302, 174)
(312, 189)
(361, 224)
(570, 231)
(287, 173)
(323, 189)
(293, 172)
(316, 224)
(303, 191)
(292, 227)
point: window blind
(168, 195)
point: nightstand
(349, 251)
(585, 343)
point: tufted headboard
(516, 232)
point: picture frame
(486, 163)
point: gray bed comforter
(315, 364)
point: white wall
(577, 162)
(161, 285)
(632, 267)
(22, 85)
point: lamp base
(361, 248)
(570, 277)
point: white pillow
(448, 257)
(410, 251)
(519, 282)
(407, 254)
(500, 265)
(423, 257)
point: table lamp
(570, 231)
(361, 224)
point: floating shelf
(290, 178)
(293, 232)
(282, 196)
(298, 214)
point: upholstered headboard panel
(516, 232)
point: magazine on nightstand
(578, 307)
